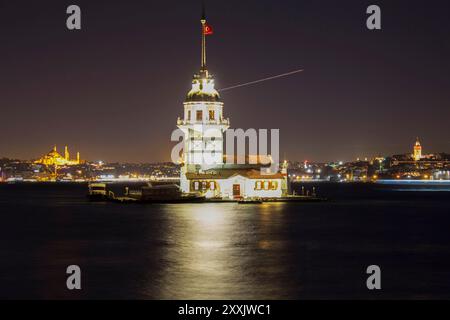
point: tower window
(199, 115)
(211, 115)
(189, 115)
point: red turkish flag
(207, 30)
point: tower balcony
(223, 122)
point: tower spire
(203, 10)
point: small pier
(137, 196)
(290, 199)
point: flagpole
(203, 45)
(203, 21)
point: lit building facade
(203, 168)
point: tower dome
(203, 89)
(417, 142)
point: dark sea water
(226, 251)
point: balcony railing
(225, 122)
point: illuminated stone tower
(203, 123)
(417, 155)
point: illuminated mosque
(53, 158)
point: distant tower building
(417, 155)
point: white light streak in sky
(262, 80)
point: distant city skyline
(114, 89)
(54, 153)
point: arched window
(196, 185)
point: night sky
(114, 90)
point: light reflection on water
(214, 255)
(214, 251)
(421, 190)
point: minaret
(66, 153)
(203, 124)
(78, 157)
